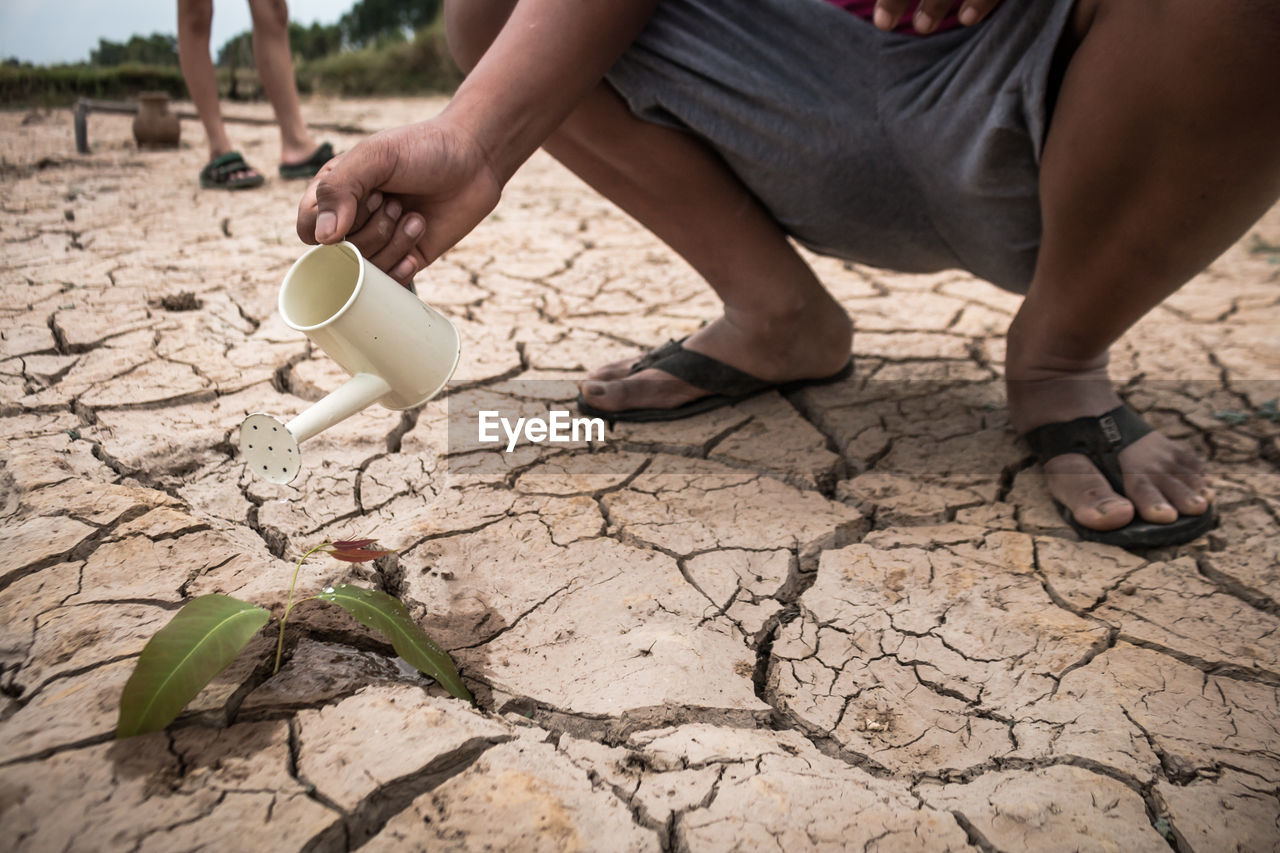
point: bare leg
(1164, 147)
(274, 61)
(779, 322)
(1157, 159)
(195, 18)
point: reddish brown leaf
(359, 555)
(352, 544)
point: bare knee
(270, 16)
(472, 25)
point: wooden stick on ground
(84, 106)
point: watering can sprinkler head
(399, 351)
(269, 449)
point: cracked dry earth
(845, 619)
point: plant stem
(289, 604)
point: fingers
(375, 233)
(389, 240)
(338, 200)
(409, 266)
(307, 210)
(337, 203)
(889, 13)
(929, 13)
(973, 11)
(365, 211)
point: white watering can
(399, 351)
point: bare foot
(1161, 479)
(811, 343)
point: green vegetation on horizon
(380, 47)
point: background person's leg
(779, 323)
(274, 62)
(1164, 147)
(195, 18)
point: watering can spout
(355, 395)
(399, 351)
(270, 447)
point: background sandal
(229, 172)
(308, 167)
(1101, 439)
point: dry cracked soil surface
(847, 618)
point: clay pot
(154, 126)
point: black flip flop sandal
(727, 384)
(229, 172)
(310, 166)
(1101, 439)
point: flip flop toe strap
(655, 355)
(1099, 438)
(701, 371)
(222, 168)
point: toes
(1192, 473)
(1163, 480)
(1187, 499)
(609, 395)
(648, 389)
(1149, 500)
(1079, 486)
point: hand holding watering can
(399, 351)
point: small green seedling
(205, 636)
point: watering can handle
(356, 394)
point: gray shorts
(915, 154)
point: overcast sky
(52, 31)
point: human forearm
(546, 58)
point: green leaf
(197, 644)
(389, 617)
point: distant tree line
(155, 49)
(368, 22)
(310, 42)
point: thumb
(337, 192)
(340, 188)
